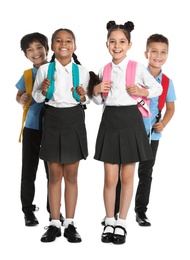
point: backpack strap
(162, 97)
(50, 76)
(143, 102)
(106, 76)
(28, 79)
(75, 74)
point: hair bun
(129, 26)
(110, 24)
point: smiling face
(156, 53)
(118, 45)
(63, 45)
(36, 53)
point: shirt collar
(122, 65)
(158, 78)
(59, 66)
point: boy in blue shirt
(35, 47)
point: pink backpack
(143, 102)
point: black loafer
(142, 219)
(30, 219)
(119, 239)
(51, 234)
(107, 237)
(71, 234)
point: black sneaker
(71, 234)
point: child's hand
(138, 91)
(24, 98)
(102, 87)
(81, 92)
(158, 127)
(45, 86)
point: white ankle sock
(69, 221)
(55, 222)
(111, 222)
(122, 223)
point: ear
(129, 45)
(146, 54)
(107, 44)
(75, 47)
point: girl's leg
(54, 191)
(110, 182)
(127, 179)
(71, 188)
(71, 195)
(55, 180)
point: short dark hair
(32, 37)
(156, 38)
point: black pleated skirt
(64, 137)
(122, 136)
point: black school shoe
(142, 219)
(51, 234)
(107, 237)
(30, 219)
(119, 239)
(71, 234)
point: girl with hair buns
(64, 139)
(121, 138)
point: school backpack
(28, 78)
(142, 102)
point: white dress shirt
(62, 96)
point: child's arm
(135, 90)
(22, 97)
(170, 109)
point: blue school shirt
(171, 97)
(32, 118)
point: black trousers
(145, 171)
(30, 160)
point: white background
(168, 237)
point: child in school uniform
(64, 140)
(122, 136)
(35, 47)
